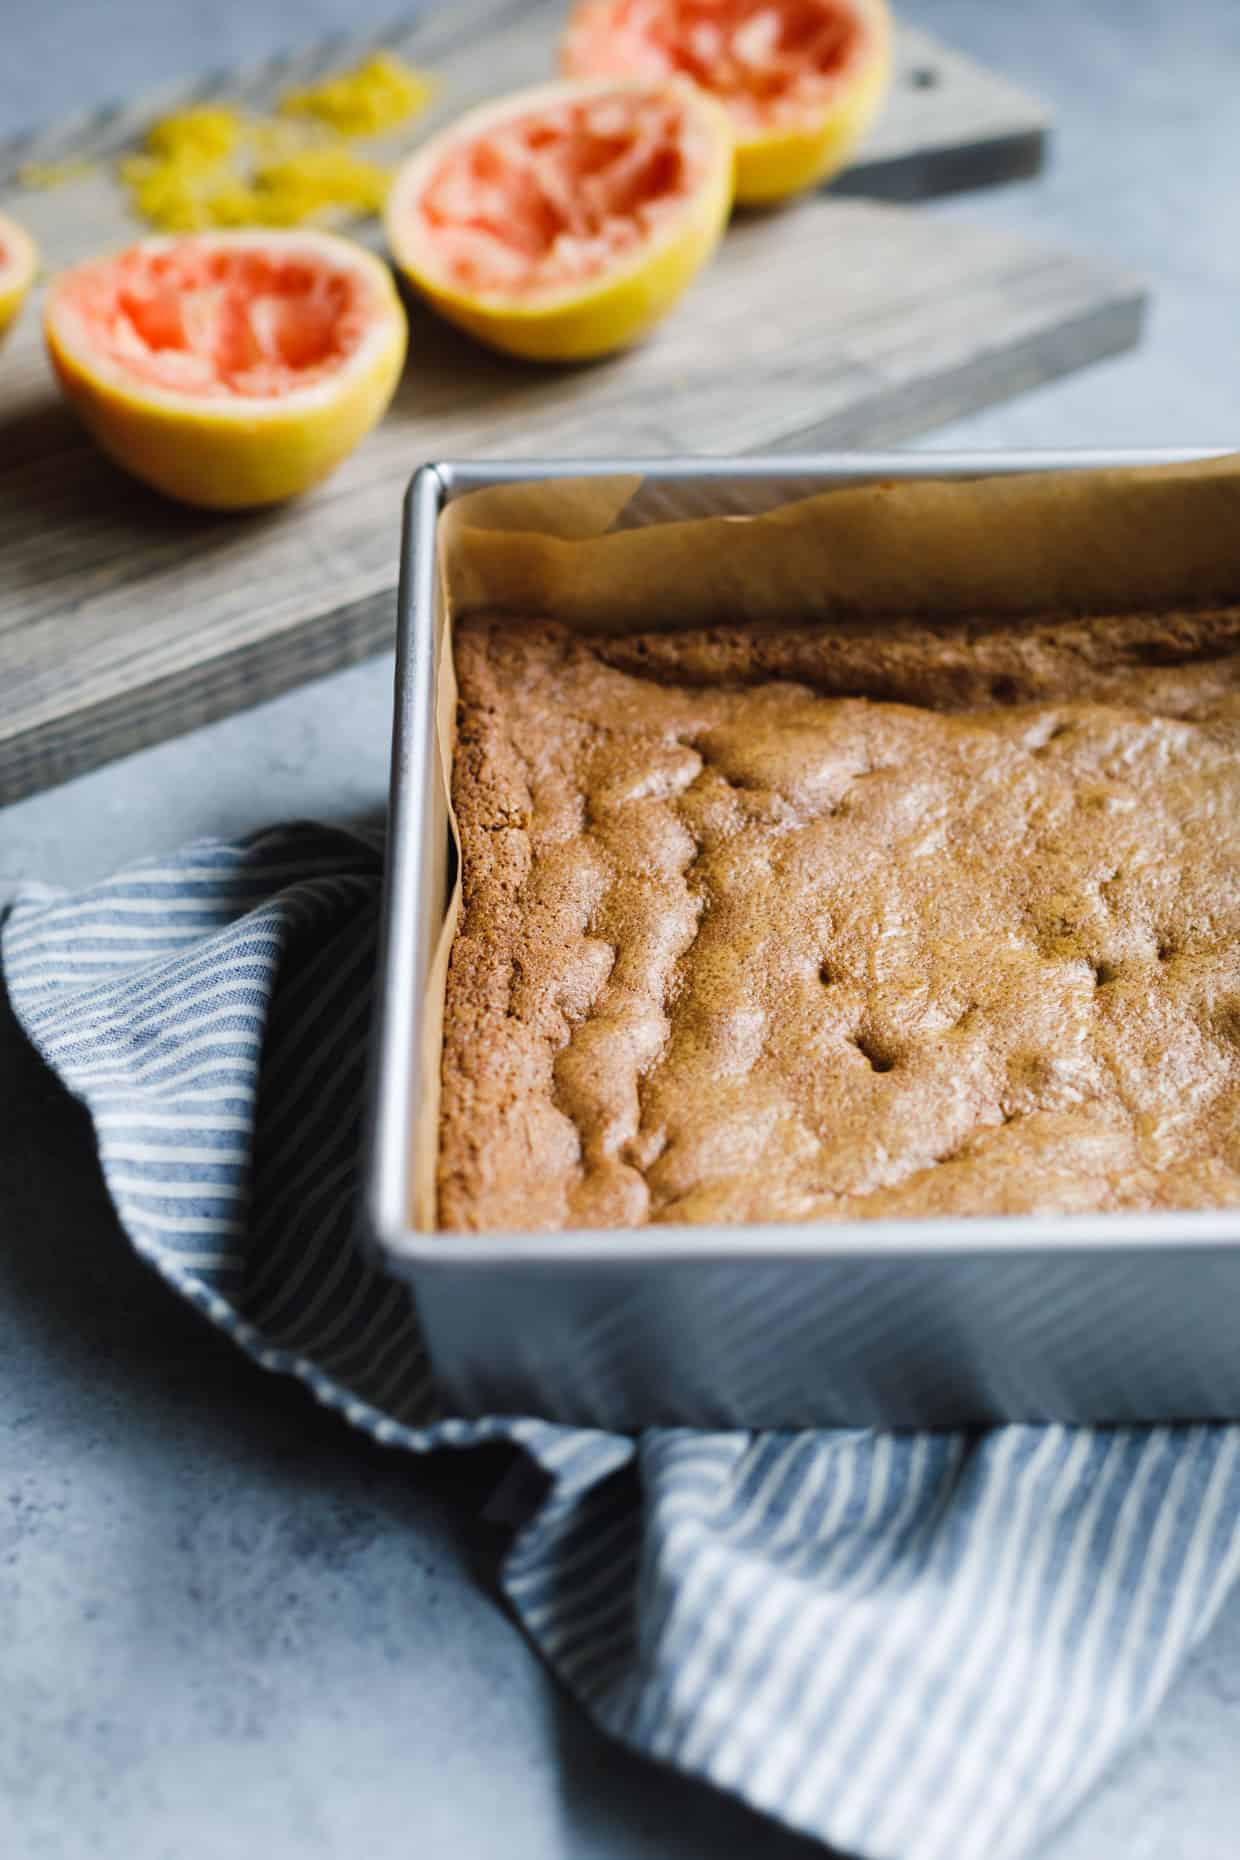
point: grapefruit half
(561, 223)
(801, 79)
(228, 369)
(18, 259)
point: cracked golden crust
(797, 923)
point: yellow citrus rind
(801, 149)
(226, 454)
(19, 261)
(611, 310)
(787, 160)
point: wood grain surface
(950, 123)
(124, 619)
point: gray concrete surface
(230, 1629)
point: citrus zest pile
(381, 94)
(204, 135)
(41, 176)
(547, 200)
(212, 166)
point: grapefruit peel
(228, 369)
(801, 79)
(18, 263)
(561, 223)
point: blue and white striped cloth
(915, 1647)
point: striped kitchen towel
(915, 1647)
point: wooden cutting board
(124, 619)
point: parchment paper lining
(1068, 543)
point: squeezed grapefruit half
(801, 79)
(229, 369)
(18, 259)
(561, 223)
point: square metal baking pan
(1106, 1318)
